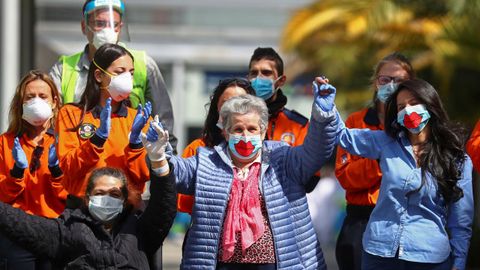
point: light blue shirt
(417, 224)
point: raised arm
(77, 157)
(158, 217)
(304, 160)
(12, 177)
(356, 173)
(56, 174)
(134, 152)
(156, 142)
(460, 219)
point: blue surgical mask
(104, 207)
(386, 90)
(414, 118)
(264, 87)
(244, 147)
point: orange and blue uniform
(473, 147)
(80, 150)
(38, 191)
(288, 126)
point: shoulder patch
(296, 116)
(86, 130)
(288, 137)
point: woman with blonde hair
(30, 178)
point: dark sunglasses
(35, 161)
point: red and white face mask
(414, 118)
(244, 147)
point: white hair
(242, 105)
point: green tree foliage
(344, 39)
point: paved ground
(172, 253)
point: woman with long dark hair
(102, 130)
(424, 212)
(360, 177)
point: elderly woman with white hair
(250, 209)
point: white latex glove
(155, 141)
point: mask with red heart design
(244, 147)
(414, 118)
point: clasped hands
(323, 94)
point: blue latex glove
(139, 122)
(52, 156)
(152, 134)
(19, 155)
(105, 120)
(324, 96)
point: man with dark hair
(267, 78)
(102, 22)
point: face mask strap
(106, 72)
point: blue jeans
(372, 262)
(13, 257)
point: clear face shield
(105, 22)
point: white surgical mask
(106, 35)
(37, 111)
(104, 207)
(120, 86)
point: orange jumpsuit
(473, 147)
(80, 150)
(39, 192)
(360, 177)
(288, 126)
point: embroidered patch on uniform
(86, 130)
(344, 159)
(288, 137)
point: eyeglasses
(384, 79)
(35, 161)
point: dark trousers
(349, 249)
(246, 266)
(13, 257)
(372, 262)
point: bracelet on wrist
(162, 170)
